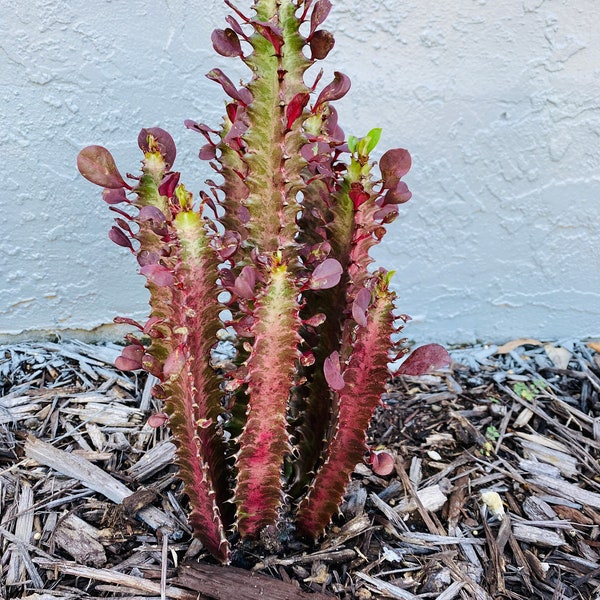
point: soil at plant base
(495, 491)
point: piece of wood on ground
(226, 583)
(93, 478)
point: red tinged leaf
(155, 139)
(158, 275)
(114, 195)
(386, 214)
(337, 89)
(295, 107)
(357, 194)
(242, 95)
(319, 14)
(201, 128)
(424, 359)
(152, 215)
(226, 42)
(131, 358)
(321, 44)
(174, 363)
(333, 373)
(397, 195)
(245, 282)
(360, 305)
(316, 152)
(227, 245)
(158, 420)
(307, 359)
(149, 327)
(326, 275)
(119, 237)
(147, 257)
(207, 152)
(97, 165)
(393, 165)
(315, 320)
(382, 463)
(270, 32)
(168, 184)
(127, 321)
(244, 326)
(152, 365)
(237, 28)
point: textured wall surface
(497, 100)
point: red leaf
(207, 152)
(326, 275)
(153, 215)
(147, 257)
(226, 42)
(127, 321)
(157, 420)
(245, 282)
(162, 142)
(174, 363)
(360, 305)
(332, 372)
(393, 165)
(158, 275)
(97, 165)
(321, 44)
(319, 14)
(119, 237)
(337, 89)
(357, 194)
(397, 195)
(150, 325)
(131, 358)
(315, 320)
(424, 359)
(270, 32)
(114, 195)
(382, 463)
(243, 95)
(168, 184)
(295, 108)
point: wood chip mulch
(495, 493)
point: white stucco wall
(497, 100)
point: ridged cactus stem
(364, 382)
(264, 442)
(274, 161)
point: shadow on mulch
(495, 493)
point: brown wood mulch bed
(495, 494)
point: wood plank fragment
(226, 583)
(23, 533)
(538, 536)
(567, 490)
(80, 540)
(93, 478)
(110, 576)
(390, 590)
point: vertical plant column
(272, 365)
(358, 388)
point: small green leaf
(352, 143)
(491, 433)
(372, 139)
